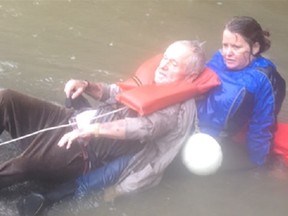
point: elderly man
(119, 135)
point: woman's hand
(74, 88)
(85, 134)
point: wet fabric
(146, 168)
(251, 96)
(280, 146)
(101, 177)
(41, 158)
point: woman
(251, 92)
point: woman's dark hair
(251, 31)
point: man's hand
(85, 134)
(74, 88)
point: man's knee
(24, 165)
(6, 94)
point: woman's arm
(260, 130)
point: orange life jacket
(280, 146)
(280, 140)
(142, 95)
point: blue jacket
(251, 96)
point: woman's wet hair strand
(251, 31)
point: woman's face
(236, 51)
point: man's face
(236, 51)
(173, 64)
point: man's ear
(255, 48)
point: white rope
(57, 127)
